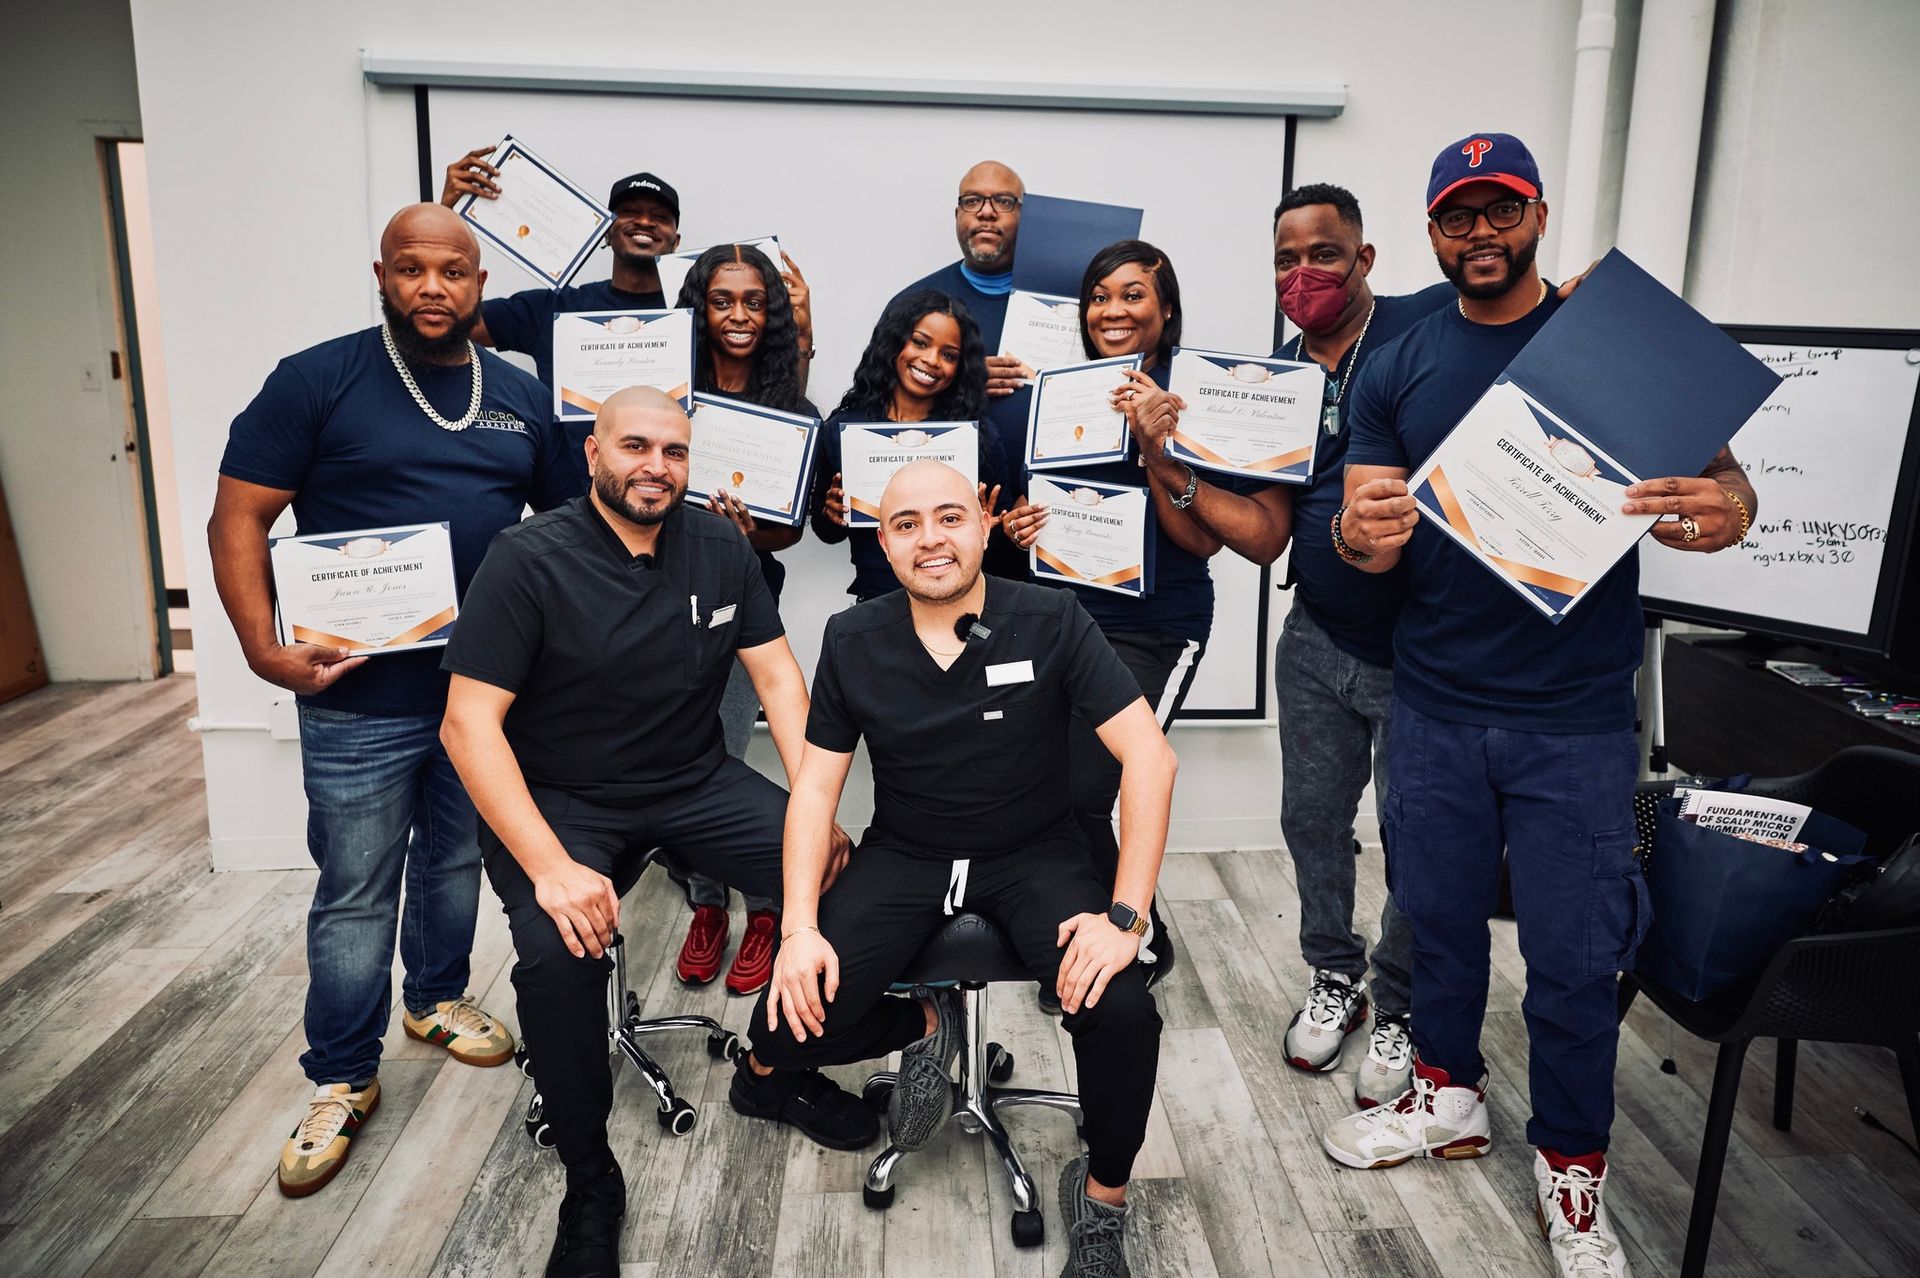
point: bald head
(921, 487)
(430, 279)
(933, 530)
(989, 176)
(624, 409)
(428, 225)
(987, 233)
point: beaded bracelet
(1340, 546)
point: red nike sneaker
(705, 946)
(753, 965)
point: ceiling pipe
(1663, 136)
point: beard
(1517, 264)
(986, 261)
(942, 595)
(612, 492)
(416, 347)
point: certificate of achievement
(1246, 416)
(377, 590)
(763, 457)
(596, 353)
(1071, 421)
(674, 267)
(540, 220)
(1042, 330)
(1096, 535)
(870, 453)
(1529, 497)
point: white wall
(66, 81)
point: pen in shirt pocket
(693, 609)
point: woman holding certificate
(746, 348)
(920, 391)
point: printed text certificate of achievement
(1071, 420)
(596, 353)
(1247, 416)
(1096, 535)
(1042, 331)
(870, 453)
(762, 457)
(375, 590)
(541, 220)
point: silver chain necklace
(1330, 415)
(413, 387)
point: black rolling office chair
(1839, 987)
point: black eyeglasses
(1502, 215)
(1002, 203)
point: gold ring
(1689, 531)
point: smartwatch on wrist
(1126, 918)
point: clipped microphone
(967, 627)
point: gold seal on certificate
(1096, 535)
(541, 220)
(374, 590)
(1259, 418)
(1042, 330)
(762, 457)
(1072, 421)
(870, 453)
(596, 353)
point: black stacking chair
(970, 952)
(1837, 987)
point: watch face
(1122, 915)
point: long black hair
(774, 380)
(1165, 283)
(873, 381)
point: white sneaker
(1317, 1034)
(1388, 1069)
(1433, 1117)
(1574, 1219)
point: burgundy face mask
(1313, 298)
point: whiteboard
(1831, 458)
(861, 196)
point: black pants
(888, 904)
(1164, 666)
(727, 827)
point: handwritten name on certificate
(762, 457)
(1042, 330)
(870, 453)
(596, 353)
(1247, 416)
(1530, 498)
(1071, 420)
(675, 267)
(377, 590)
(1096, 535)
(541, 220)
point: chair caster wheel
(536, 1123)
(878, 1199)
(522, 1061)
(679, 1119)
(876, 1094)
(999, 1063)
(723, 1047)
(1029, 1229)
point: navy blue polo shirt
(989, 310)
(336, 425)
(524, 323)
(1468, 649)
(1358, 616)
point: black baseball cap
(647, 184)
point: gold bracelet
(804, 927)
(1746, 518)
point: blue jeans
(384, 808)
(1561, 807)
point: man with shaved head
(963, 686)
(986, 220)
(403, 423)
(584, 717)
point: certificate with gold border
(759, 455)
(1042, 330)
(1531, 498)
(1071, 420)
(870, 453)
(547, 224)
(1097, 535)
(1245, 415)
(372, 590)
(596, 353)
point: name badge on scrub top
(721, 616)
(1009, 672)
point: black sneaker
(922, 1099)
(587, 1244)
(1096, 1231)
(1048, 997)
(806, 1099)
(1164, 955)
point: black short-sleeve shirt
(972, 759)
(617, 661)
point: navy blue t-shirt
(1357, 615)
(1181, 603)
(524, 323)
(989, 310)
(872, 575)
(1468, 649)
(336, 425)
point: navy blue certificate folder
(1639, 372)
(1059, 237)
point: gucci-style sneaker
(1335, 1008)
(1435, 1117)
(317, 1150)
(468, 1033)
(1388, 1069)
(1567, 1202)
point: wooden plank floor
(150, 1029)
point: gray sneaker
(922, 1099)
(1096, 1231)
